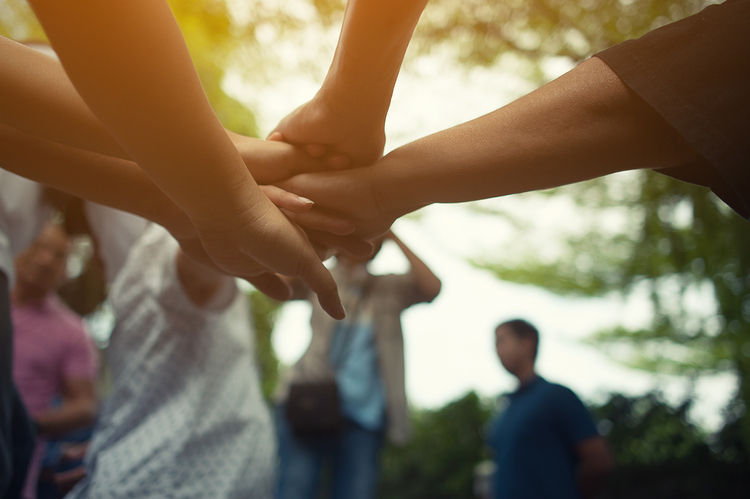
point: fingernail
(305, 200)
(341, 311)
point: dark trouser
(353, 451)
(16, 432)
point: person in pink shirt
(53, 356)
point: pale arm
(583, 125)
(78, 408)
(39, 99)
(120, 184)
(130, 64)
(595, 463)
(348, 113)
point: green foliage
(17, 21)
(659, 453)
(265, 311)
(647, 431)
(439, 460)
(482, 30)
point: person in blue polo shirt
(544, 440)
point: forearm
(583, 125)
(371, 48)
(113, 182)
(38, 98)
(68, 417)
(427, 282)
(129, 62)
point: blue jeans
(353, 451)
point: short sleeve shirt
(695, 73)
(534, 438)
(50, 345)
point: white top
(186, 417)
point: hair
(523, 330)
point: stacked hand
(271, 224)
(352, 195)
(339, 137)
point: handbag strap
(352, 322)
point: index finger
(319, 279)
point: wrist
(226, 206)
(341, 94)
(394, 192)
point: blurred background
(639, 284)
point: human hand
(254, 237)
(340, 138)
(349, 194)
(328, 238)
(272, 161)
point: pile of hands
(315, 173)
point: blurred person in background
(545, 442)
(54, 360)
(364, 356)
(186, 415)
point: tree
(439, 461)
(680, 245)
(265, 311)
(660, 454)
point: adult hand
(338, 137)
(272, 161)
(258, 237)
(325, 240)
(350, 194)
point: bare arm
(120, 184)
(595, 463)
(38, 98)
(427, 282)
(583, 125)
(130, 64)
(78, 409)
(348, 113)
(106, 180)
